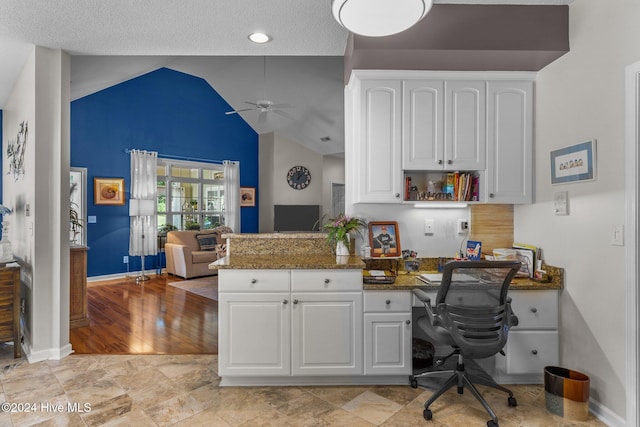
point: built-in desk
(10, 306)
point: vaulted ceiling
(112, 41)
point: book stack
(462, 186)
(528, 255)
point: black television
(296, 217)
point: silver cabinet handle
(408, 322)
(439, 162)
(254, 280)
(285, 302)
(534, 310)
(326, 281)
(397, 194)
(491, 195)
(449, 162)
(295, 301)
(534, 352)
(388, 302)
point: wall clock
(298, 177)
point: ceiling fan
(264, 106)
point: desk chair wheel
(413, 382)
(492, 423)
(427, 414)
(512, 401)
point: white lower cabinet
(289, 323)
(387, 333)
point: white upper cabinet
(423, 125)
(377, 146)
(509, 177)
(465, 121)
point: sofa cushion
(199, 257)
(207, 242)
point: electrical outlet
(125, 259)
(463, 226)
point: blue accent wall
(170, 112)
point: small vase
(341, 248)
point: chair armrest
(426, 301)
(511, 316)
(181, 257)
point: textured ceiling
(111, 41)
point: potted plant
(339, 229)
(75, 222)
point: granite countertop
(318, 235)
(260, 262)
(409, 281)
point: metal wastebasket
(566, 393)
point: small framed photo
(108, 191)
(573, 164)
(247, 196)
(384, 239)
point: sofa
(190, 252)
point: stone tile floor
(133, 390)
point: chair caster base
(492, 423)
(413, 382)
(511, 401)
(427, 414)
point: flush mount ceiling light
(259, 37)
(376, 18)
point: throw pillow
(207, 242)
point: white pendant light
(376, 18)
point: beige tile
(206, 418)
(133, 418)
(340, 417)
(62, 420)
(181, 407)
(372, 407)
(107, 410)
(337, 395)
(402, 395)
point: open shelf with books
(439, 186)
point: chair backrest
(472, 304)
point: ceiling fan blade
(239, 111)
(252, 103)
(281, 106)
(262, 117)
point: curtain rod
(189, 159)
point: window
(190, 195)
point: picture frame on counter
(574, 164)
(384, 239)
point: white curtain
(144, 187)
(232, 195)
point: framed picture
(384, 239)
(247, 196)
(108, 191)
(575, 163)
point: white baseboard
(48, 354)
(131, 274)
(605, 415)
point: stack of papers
(431, 278)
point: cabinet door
(528, 352)
(535, 309)
(422, 125)
(387, 343)
(378, 148)
(465, 124)
(326, 333)
(253, 334)
(509, 175)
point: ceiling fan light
(377, 18)
(259, 38)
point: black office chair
(473, 315)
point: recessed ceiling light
(259, 37)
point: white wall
(581, 97)
(280, 155)
(332, 172)
(40, 233)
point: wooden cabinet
(78, 312)
(377, 175)
(534, 343)
(509, 177)
(387, 333)
(10, 307)
(400, 121)
(289, 323)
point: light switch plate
(428, 226)
(561, 203)
(617, 235)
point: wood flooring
(146, 318)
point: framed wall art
(573, 164)
(108, 191)
(384, 239)
(247, 196)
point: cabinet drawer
(387, 301)
(326, 280)
(535, 309)
(528, 352)
(253, 280)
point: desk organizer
(566, 393)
